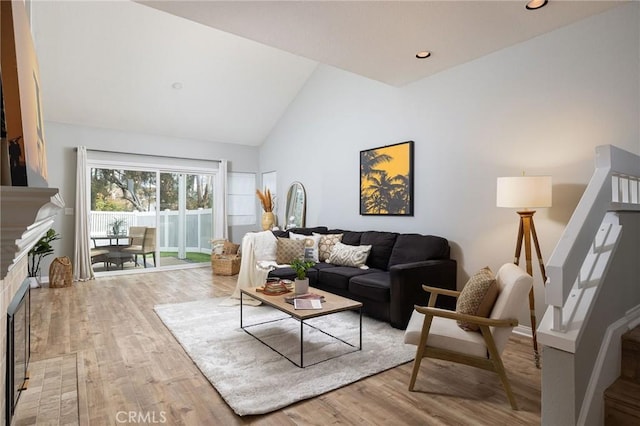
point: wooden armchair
(437, 335)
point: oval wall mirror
(296, 206)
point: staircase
(593, 298)
(622, 398)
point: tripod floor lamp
(524, 193)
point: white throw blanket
(258, 255)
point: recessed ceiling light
(424, 54)
(535, 4)
(177, 85)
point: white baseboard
(523, 330)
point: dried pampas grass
(265, 199)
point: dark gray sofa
(399, 264)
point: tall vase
(268, 220)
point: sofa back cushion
(350, 238)
(415, 248)
(309, 231)
(381, 247)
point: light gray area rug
(252, 378)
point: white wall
(540, 107)
(62, 139)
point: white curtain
(220, 226)
(82, 270)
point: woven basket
(225, 264)
(60, 272)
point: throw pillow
(477, 297)
(311, 243)
(217, 246)
(230, 248)
(288, 250)
(327, 241)
(345, 255)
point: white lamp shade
(524, 192)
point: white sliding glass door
(177, 204)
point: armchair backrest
(149, 243)
(136, 235)
(514, 285)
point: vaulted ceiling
(225, 71)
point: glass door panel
(120, 199)
(186, 219)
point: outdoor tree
(121, 190)
(130, 190)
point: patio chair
(136, 236)
(99, 254)
(147, 246)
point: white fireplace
(26, 214)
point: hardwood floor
(130, 364)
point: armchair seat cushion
(445, 334)
(374, 286)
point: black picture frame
(386, 180)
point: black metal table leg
(301, 345)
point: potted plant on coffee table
(301, 266)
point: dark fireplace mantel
(26, 214)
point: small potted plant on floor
(38, 252)
(301, 285)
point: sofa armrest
(406, 290)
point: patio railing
(198, 227)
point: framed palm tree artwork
(386, 180)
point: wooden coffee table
(332, 304)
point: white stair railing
(582, 255)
